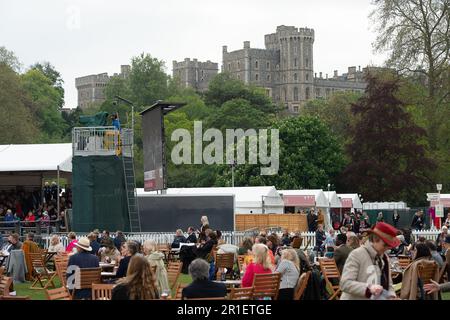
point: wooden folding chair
(2, 271)
(241, 293)
(101, 291)
(266, 285)
(404, 261)
(301, 285)
(61, 268)
(331, 275)
(88, 276)
(41, 273)
(5, 285)
(179, 291)
(58, 294)
(427, 271)
(297, 243)
(173, 272)
(225, 260)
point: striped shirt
(289, 274)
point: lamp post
(329, 207)
(132, 120)
(439, 188)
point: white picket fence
(233, 237)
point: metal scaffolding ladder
(130, 188)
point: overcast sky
(93, 36)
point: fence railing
(88, 141)
(232, 237)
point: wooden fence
(292, 222)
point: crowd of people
(33, 206)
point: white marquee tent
(350, 200)
(333, 199)
(247, 199)
(27, 164)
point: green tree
(16, 123)
(9, 58)
(54, 76)
(310, 157)
(388, 156)
(148, 82)
(46, 100)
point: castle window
(256, 77)
(307, 93)
(268, 77)
(256, 64)
(307, 77)
(295, 62)
(295, 94)
(239, 65)
(285, 94)
(295, 77)
(307, 62)
(296, 109)
(317, 92)
(202, 73)
(328, 92)
(229, 66)
(268, 65)
(295, 50)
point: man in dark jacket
(83, 259)
(201, 287)
(192, 238)
(342, 251)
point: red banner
(299, 201)
(445, 202)
(347, 203)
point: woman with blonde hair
(289, 267)
(260, 264)
(156, 259)
(139, 284)
(55, 244)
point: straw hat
(387, 233)
(84, 244)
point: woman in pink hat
(366, 273)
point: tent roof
(244, 196)
(36, 157)
(356, 202)
(334, 200)
(319, 197)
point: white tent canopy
(304, 198)
(247, 199)
(384, 205)
(333, 199)
(350, 200)
(36, 157)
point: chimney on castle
(335, 73)
(327, 76)
(315, 74)
(224, 49)
(359, 68)
(320, 75)
(246, 44)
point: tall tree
(9, 58)
(16, 122)
(54, 76)
(388, 156)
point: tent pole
(57, 192)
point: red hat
(387, 233)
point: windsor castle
(284, 69)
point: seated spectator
(352, 241)
(94, 244)
(402, 247)
(434, 254)
(13, 243)
(179, 238)
(261, 264)
(130, 249)
(285, 239)
(204, 251)
(119, 239)
(55, 244)
(330, 240)
(29, 246)
(201, 286)
(72, 237)
(246, 246)
(273, 243)
(411, 289)
(192, 238)
(9, 217)
(289, 267)
(263, 240)
(109, 252)
(329, 253)
(305, 264)
(342, 251)
(105, 236)
(320, 238)
(139, 283)
(83, 259)
(156, 258)
(29, 219)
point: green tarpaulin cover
(97, 120)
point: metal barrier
(89, 141)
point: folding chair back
(179, 291)
(301, 285)
(40, 272)
(5, 284)
(427, 271)
(61, 271)
(266, 285)
(297, 243)
(88, 276)
(404, 261)
(241, 293)
(331, 275)
(15, 298)
(102, 291)
(173, 272)
(225, 260)
(58, 294)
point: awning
(347, 203)
(299, 201)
